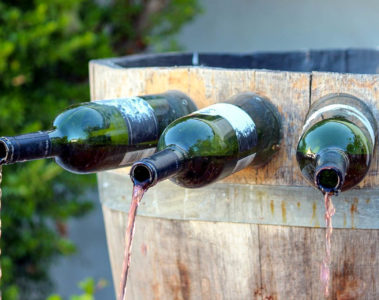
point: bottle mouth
(4, 150)
(142, 174)
(329, 180)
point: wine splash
(138, 192)
(325, 266)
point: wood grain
(184, 259)
(242, 203)
(174, 259)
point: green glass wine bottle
(213, 143)
(100, 135)
(336, 147)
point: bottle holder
(256, 232)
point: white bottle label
(131, 157)
(244, 162)
(139, 117)
(348, 109)
(242, 124)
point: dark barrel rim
(358, 61)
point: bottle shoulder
(335, 132)
(340, 135)
(86, 112)
(240, 121)
(201, 134)
(87, 119)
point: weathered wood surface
(243, 203)
(216, 260)
(182, 259)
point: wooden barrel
(258, 234)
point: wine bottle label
(131, 157)
(141, 122)
(243, 126)
(244, 162)
(347, 108)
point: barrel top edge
(351, 61)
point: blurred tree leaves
(45, 46)
(89, 288)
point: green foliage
(45, 46)
(89, 288)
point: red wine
(325, 266)
(138, 192)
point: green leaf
(82, 297)
(88, 285)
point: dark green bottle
(213, 143)
(100, 135)
(336, 147)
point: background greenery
(89, 288)
(45, 46)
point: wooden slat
(218, 260)
(181, 259)
(355, 273)
(286, 262)
(242, 203)
(186, 260)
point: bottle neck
(25, 147)
(161, 165)
(331, 167)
